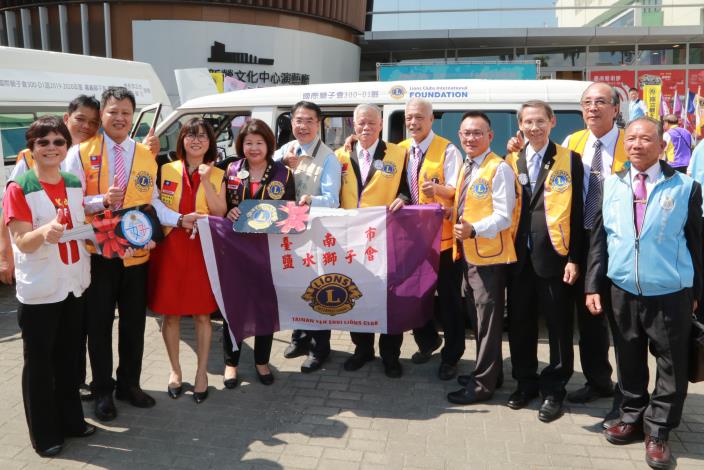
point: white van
(451, 98)
(34, 83)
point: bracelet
(179, 223)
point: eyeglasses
(47, 142)
(201, 137)
(470, 134)
(540, 123)
(304, 122)
(586, 104)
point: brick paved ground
(327, 420)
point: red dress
(178, 280)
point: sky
(462, 20)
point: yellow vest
(173, 173)
(557, 198)
(383, 186)
(433, 168)
(478, 205)
(578, 140)
(26, 155)
(140, 184)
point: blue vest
(658, 262)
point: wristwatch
(473, 233)
(179, 223)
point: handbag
(696, 351)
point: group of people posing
(598, 224)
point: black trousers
(529, 294)
(111, 284)
(318, 341)
(593, 335)
(51, 341)
(451, 317)
(486, 286)
(389, 346)
(82, 363)
(262, 348)
(662, 324)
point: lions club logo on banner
(332, 294)
(560, 181)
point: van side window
(12, 129)
(503, 123)
(337, 126)
(225, 125)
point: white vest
(42, 278)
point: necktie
(367, 163)
(415, 164)
(120, 170)
(534, 170)
(640, 201)
(591, 205)
(468, 169)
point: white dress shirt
(503, 199)
(364, 167)
(608, 150)
(451, 165)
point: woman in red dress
(190, 188)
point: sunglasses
(55, 142)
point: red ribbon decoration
(112, 245)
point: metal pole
(108, 30)
(63, 28)
(85, 33)
(44, 27)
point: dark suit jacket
(597, 260)
(546, 261)
(403, 191)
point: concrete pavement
(330, 419)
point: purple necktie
(120, 170)
(640, 201)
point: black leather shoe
(447, 371)
(52, 451)
(295, 350)
(550, 410)
(105, 408)
(85, 392)
(136, 397)
(200, 397)
(519, 399)
(265, 379)
(421, 357)
(174, 392)
(393, 370)
(464, 380)
(463, 396)
(88, 430)
(312, 363)
(357, 361)
(589, 393)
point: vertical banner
(652, 97)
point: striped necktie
(468, 170)
(120, 170)
(415, 166)
(591, 205)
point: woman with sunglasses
(190, 188)
(256, 176)
(51, 279)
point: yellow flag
(651, 96)
(219, 79)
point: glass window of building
(557, 57)
(696, 53)
(612, 55)
(12, 134)
(662, 54)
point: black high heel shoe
(200, 397)
(174, 392)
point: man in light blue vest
(646, 243)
